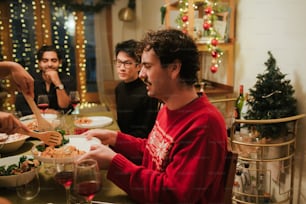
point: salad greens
(25, 164)
(65, 140)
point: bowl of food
(12, 142)
(17, 168)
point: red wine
(43, 106)
(88, 188)
(75, 103)
(64, 178)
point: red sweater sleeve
(135, 145)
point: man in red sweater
(182, 160)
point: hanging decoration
(210, 9)
(85, 7)
(182, 20)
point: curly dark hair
(170, 45)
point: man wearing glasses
(136, 111)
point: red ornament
(214, 42)
(185, 31)
(206, 26)
(213, 69)
(214, 54)
(208, 10)
(185, 18)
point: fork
(51, 138)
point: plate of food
(12, 142)
(31, 122)
(93, 122)
(47, 116)
(16, 168)
(75, 146)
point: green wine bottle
(239, 105)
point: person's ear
(175, 68)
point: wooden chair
(229, 172)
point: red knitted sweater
(182, 160)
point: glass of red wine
(64, 175)
(43, 102)
(75, 100)
(87, 179)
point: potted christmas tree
(271, 98)
(268, 145)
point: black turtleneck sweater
(136, 111)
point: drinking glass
(28, 185)
(43, 102)
(75, 100)
(64, 175)
(87, 179)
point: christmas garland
(73, 6)
(210, 9)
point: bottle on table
(238, 106)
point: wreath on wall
(85, 7)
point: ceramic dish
(93, 122)
(47, 116)
(12, 143)
(11, 180)
(76, 146)
(31, 123)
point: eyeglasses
(126, 64)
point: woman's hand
(107, 137)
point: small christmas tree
(271, 98)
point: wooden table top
(52, 192)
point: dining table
(50, 190)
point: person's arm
(22, 79)
(9, 123)
(63, 99)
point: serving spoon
(42, 124)
(51, 138)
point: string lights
(80, 50)
(28, 19)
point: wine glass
(64, 175)
(28, 185)
(75, 100)
(43, 102)
(87, 180)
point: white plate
(96, 122)
(27, 117)
(11, 181)
(30, 120)
(47, 116)
(79, 141)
